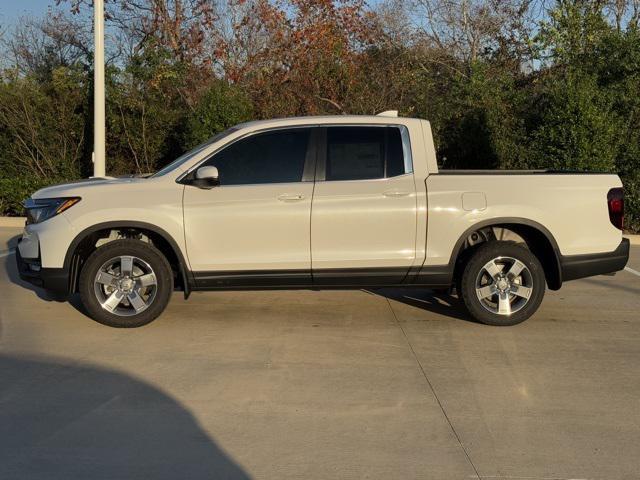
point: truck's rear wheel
(126, 283)
(503, 283)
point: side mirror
(206, 177)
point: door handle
(395, 193)
(290, 197)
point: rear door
(363, 217)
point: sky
(12, 10)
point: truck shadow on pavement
(609, 284)
(68, 420)
(441, 303)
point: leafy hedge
(632, 203)
(13, 191)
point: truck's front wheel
(503, 283)
(126, 283)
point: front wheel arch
(126, 296)
(85, 243)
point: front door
(254, 228)
(363, 220)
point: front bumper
(55, 280)
(581, 266)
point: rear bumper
(55, 280)
(580, 266)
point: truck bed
(518, 172)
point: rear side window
(364, 153)
(271, 157)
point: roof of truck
(383, 118)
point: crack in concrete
(424, 374)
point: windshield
(193, 152)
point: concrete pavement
(304, 384)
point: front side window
(364, 153)
(271, 157)
(193, 152)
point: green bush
(632, 202)
(579, 129)
(223, 106)
(13, 191)
(43, 123)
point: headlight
(42, 209)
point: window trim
(315, 162)
(406, 150)
(308, 170)
(321, 162)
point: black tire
(474, 270)
(142, 251)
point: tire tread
(140, 249)
(482, 255)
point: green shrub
(43, 123)
(579, 130)
(13, 191)
(632, 203)
(223, 106)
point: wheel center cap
(126, 284)
(502, 284)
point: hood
(76, 188)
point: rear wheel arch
(536, 237)
(85, 243)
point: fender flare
(185, 273)
(511, 221)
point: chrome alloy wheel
(125, 285)
(504, 285)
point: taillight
(615, 202)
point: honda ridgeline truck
(336, 202)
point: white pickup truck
(321, 203)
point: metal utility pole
(98, 90)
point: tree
(221, 107)
(178, 26)
(145, 112)
(473, 29)
(579, 130)
(37, 46)
(45, 123)
(307, 56)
